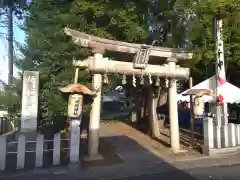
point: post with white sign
(30, 101)
(75, 104)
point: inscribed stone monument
(29, 101)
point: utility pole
(191, 113)
(221, 109)
(10, 43)
(9, 4)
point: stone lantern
(75, 105)
(198, 104)
(75, 100)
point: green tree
(51, 52)
(10, 96)
(189, 23)
(199, 29)
(12, 103)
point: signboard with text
(29, 101)
(75, 105)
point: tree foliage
(172, 23)
(10, 96)
(51, 52)
(189, 24)
(199, 29)
(11, 103)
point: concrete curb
(207, 162)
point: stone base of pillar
(95, 157)
(180, 151)
(206, 150)
(74, 166)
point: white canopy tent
(230, 92)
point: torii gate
(139, 67)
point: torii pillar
(94, 124)
(173, 109)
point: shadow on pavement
(123, 159)
(131, 161)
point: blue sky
(19, 37)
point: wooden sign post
(30, 101)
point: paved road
(227, 172)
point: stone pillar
(221, 124)
(217, 135)
(224, 136)
(94, 125)
(75, 104)
(217, 126)
(30, 93)
(208, 135)
(173, 110)
(237, 130)
(152, 113)
(74, 141)
(224, 122)
(232, 134)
